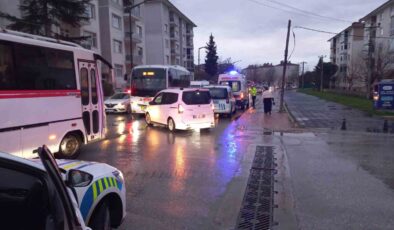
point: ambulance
(43, 193)
(238, 84)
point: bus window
(148, 81)
(94, 86)
(84, 86)
(7, 79)
(178, 78)
(41, 68)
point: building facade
(153, 32)
(169, 35)
(379, 40)
(347, 53)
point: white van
(223, 99)
(237, 82)
(181, 109)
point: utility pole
(282, 93)
(130, 8)
(302, 76)
(369, 68)
(322, 72)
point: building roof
(354, 25)
(383, 6)
(174, 8)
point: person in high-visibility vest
(253, 92)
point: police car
(65, 194)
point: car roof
(178, 90)
(21, 160)
(217, 86)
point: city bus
(147, 80)
(50, 94)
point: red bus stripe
(7, 94)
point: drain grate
(257, 207)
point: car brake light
(180, 109)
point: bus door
(90, 100)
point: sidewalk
(312, 112)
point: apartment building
(379, 40)
(168, 35)
(347, 53)
(134, 33)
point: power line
(333, 33)
(288, 11)
(294, 45)
(307, 12)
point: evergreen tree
(39, 16)
(211, 59)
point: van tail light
(181, 109)
(242, 95)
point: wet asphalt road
(181, 180)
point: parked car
(223, 99)
(65, 194)
(181, 109)
(118, 103)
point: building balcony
(137, 59)
(190, 57)
(189, 33)
(137, 38)
(135, 14)
(174, 37)
(189, 45)
(175, 52)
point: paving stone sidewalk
(313, 112)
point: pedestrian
(268, 100)
(253, 92)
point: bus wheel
(70, 147)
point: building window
(166, 28)
(168, 59)
(118, 70)
(139, 31)
(116, 1)
(177, 61)
(117, 46)
(140, 51)
(90, 11)
(167, 43)
(116, 21)
(91, 40)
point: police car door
(73, 217)
(89, 98)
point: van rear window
(234, 85)
(218, 93)
(196, 97)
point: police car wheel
(101, 219)
(69, 147)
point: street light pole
(198, 64)
(302, 76)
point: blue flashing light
(233, 72)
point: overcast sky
(249, 31)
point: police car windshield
(218, 93)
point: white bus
(50, 93)
(147, 80)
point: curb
(291, 116)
